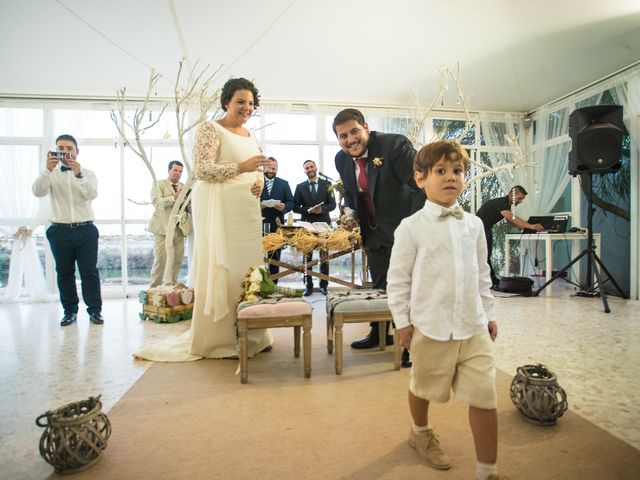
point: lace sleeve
(205, 156)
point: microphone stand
(593, 262)
(320, 174)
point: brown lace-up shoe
(428, 447)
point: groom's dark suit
(392, 191)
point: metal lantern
(537, 396)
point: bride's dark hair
(234, 84)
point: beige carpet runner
(196, 421)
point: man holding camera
(72, 235)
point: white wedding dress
(227, 226)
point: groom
(377, 172)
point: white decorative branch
(420, 116)
(193, 101)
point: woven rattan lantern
(75, 435)
(537, 396)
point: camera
(60, 156)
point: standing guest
(377, 172)
(500, 208)
(228, 234)
(448, 324)
(275, 188)
(72, 235)
(164, 194)
(314, 200)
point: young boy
(438, 289)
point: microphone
(326, 177)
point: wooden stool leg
(306, 346)
(242, 334)
(382, 335)
(397, 350)
(338, 322)
(296, 341)
(329, 333)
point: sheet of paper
(318, 205)
(270, 202)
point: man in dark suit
(313, 200)
(377, 172)
(275, 188)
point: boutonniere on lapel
(377, 161)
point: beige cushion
(280, 309)
(358, 300)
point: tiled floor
(43, 366)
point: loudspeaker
(596, 139)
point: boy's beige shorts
(464, 367)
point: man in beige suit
(163, 197)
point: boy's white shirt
(438, 279)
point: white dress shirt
(70, 196)
(438, 278)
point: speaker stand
(593, 261)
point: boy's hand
(406, 334)
(493, 330)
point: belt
(71, 225)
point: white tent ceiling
(513, 55)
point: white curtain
(22, 212)
(495, 129)
(547, 177)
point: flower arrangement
(257, 284)
(338, 186)
(348, 219)
(377, 161)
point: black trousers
(71, 245)
(488, 234)
(324, 269)
(378, 262)
(273, 269)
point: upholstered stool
(272, 313)
(356, 306)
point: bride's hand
(257, 162)
(256, 189)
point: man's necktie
(363, 183)
(175, 187)
(269, 187)
(455, 211)
(64, 169)
(314, 189)
(362, 174)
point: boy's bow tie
(455, 211)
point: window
(124, 182)
(21, 122)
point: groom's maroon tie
(362, 174)
(363, 183)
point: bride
(227, 227)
